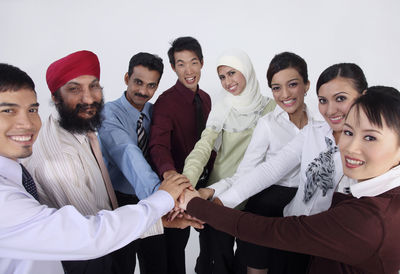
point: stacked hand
(182, 191)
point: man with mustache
(124, 135)
(34, 237)
(64, 163)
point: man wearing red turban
(64, 163)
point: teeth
(190, 79)
(232, 88)
(21, 138)
(336, 118)
(287, 102)
(354, 162)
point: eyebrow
(76, 83)
(8, 105)
(193, 59)
(16, 105)
(340, 92)
(365, 130)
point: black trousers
(217, 255)
(270, 203)
(176, 241)
(151, 254)
(102, 265)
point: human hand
(169, 173)
(182, 221)
(218, 201)
(175, 184)
(187, 196)
(206, 193)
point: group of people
(106, 182)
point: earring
(305, 94)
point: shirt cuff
(219, 188)
(155, 229)
(230, 199)
(161, 200)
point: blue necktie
(28, 183)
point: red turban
(71, 66)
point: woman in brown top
(359, 233)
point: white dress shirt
(303, 149)
(32, 235)
(273, 131)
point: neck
(336, 135)
(299, 117)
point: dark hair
(150, 61)
(380, 102)
(14, 79)
(345, 70)
(286, 60)
(184, 43)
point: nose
(87, 96)
(331, 109)
(350, 144)
(188, 69)
(285, 93)
(24, 121)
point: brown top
(354, 236)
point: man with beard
(67, 164)
(124, 136)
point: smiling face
(367, 151)
(232, 80)
(188, 68)
(141, 86)
(19, 123)
(335, 99)
(288, 89)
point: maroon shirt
(354, 236)
(173, 132)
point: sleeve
(32, 231)
(160, 138)
(265, 174)
(53, 173)
(199, 156)
(348, 233)
(122, 148)
(254, 155)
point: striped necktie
(142, 139)
(28, 183)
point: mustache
(95, 105)
(141, 95)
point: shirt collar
(378, 185)
(186, 93)
(278, 111)
(132, 110)
(10, 169)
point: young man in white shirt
(33, 237)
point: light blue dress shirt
(129, 171)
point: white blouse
(273, 131)
(309, 144)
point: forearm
(199, 156)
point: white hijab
(238, 113)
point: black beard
(70, 121)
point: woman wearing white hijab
(228, 131)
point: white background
(35, 33)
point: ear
(307, 86)
(54, 99)
(364, 91)
(202, 63)
(173, 67)
(126, 78)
